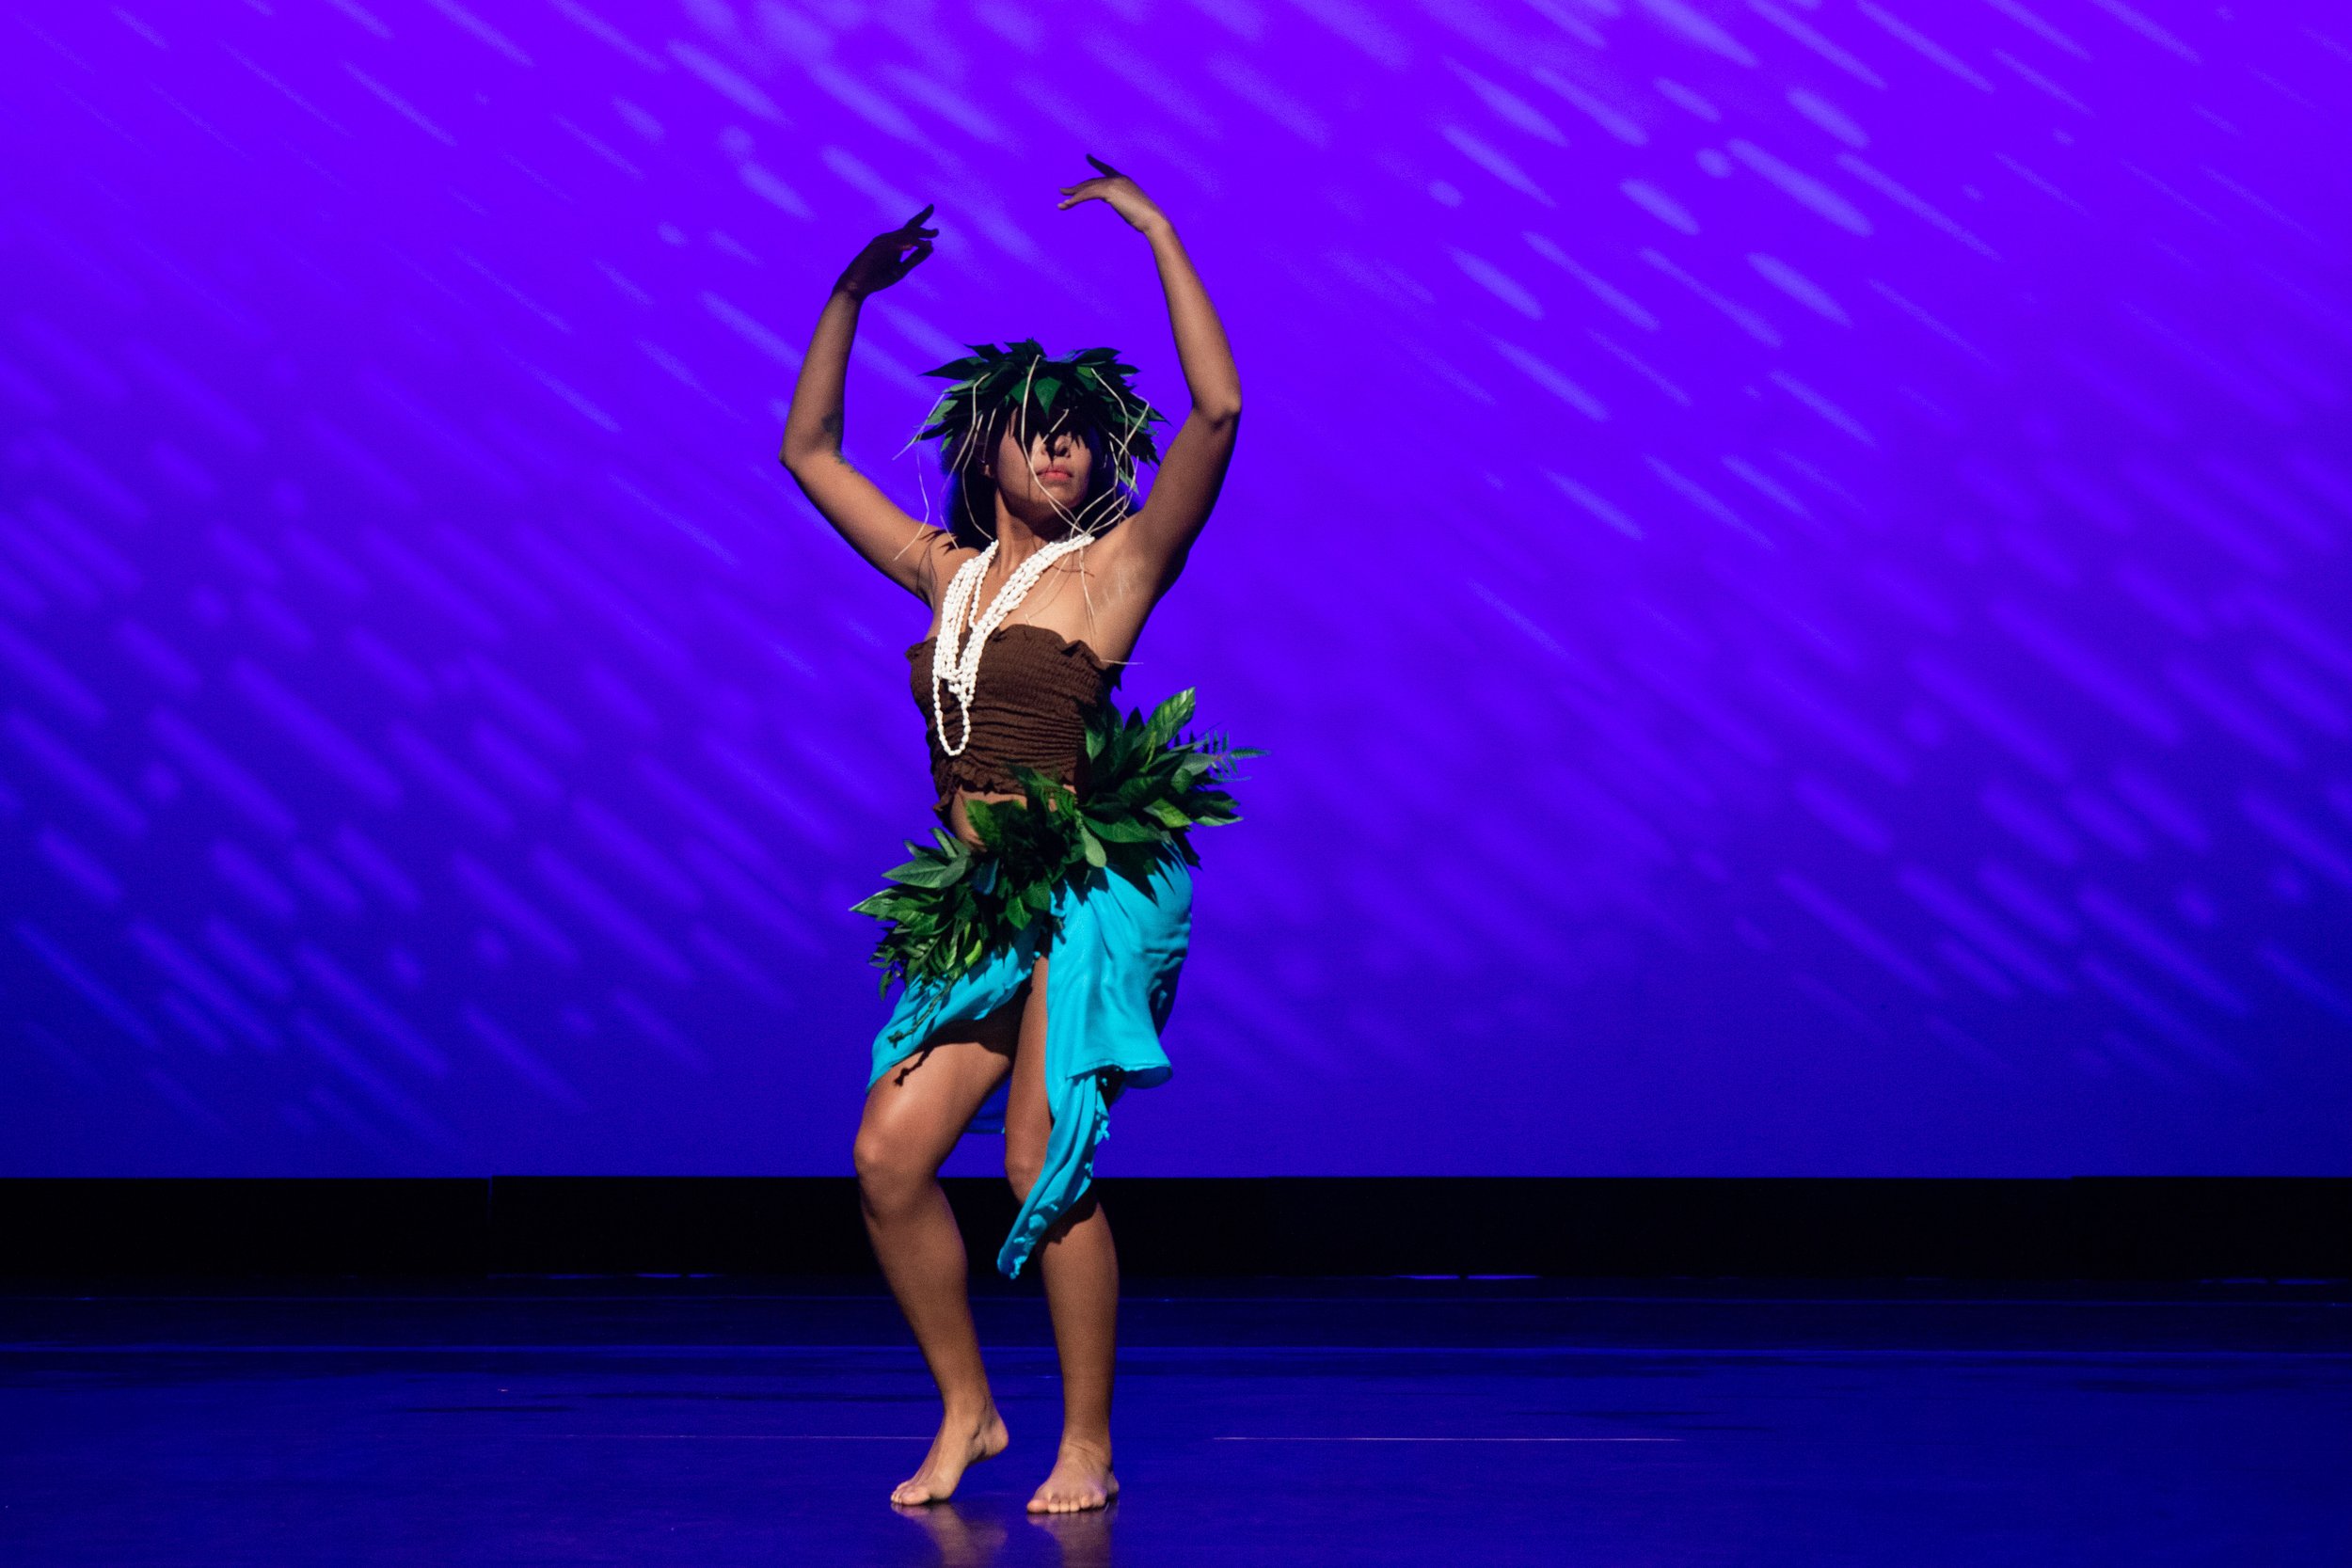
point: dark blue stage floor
(713, 1422)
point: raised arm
(903, 549)
(1193, 469)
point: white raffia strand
(956, 656)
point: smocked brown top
(1036, 689)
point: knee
(1023, 1166)
(888, 1177)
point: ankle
(976, 1412)
(1095, 1446)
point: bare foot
(1082, 1479)
(961, 1442)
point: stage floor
(714, 1422)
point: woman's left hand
(1123, 195)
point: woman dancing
(1039, 939)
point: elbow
(807, 441)
(799, 466)
(1219, 413)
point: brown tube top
(1036, 689)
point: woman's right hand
(887, 257)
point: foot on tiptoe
(962, 1441)
(1082, 1479)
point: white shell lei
(955, 657)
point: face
(1047, 478)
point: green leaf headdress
(1019, 386)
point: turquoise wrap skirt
(1109, 987)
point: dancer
(1039, 936)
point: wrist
(1157, 228)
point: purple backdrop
(1789, 556)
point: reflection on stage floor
(713, 1422)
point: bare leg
(913, 1117)
(1081, 1272)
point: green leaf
(1039, 785)
(1123, 829)
(1192, 768)
(928, 869)
(1096, 856)
(1170, 715)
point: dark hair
(972, 490)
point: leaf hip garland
(952, 906)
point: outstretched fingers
(1089, 190)
(913, 240)
(1109, 186)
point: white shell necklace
(955, 657)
